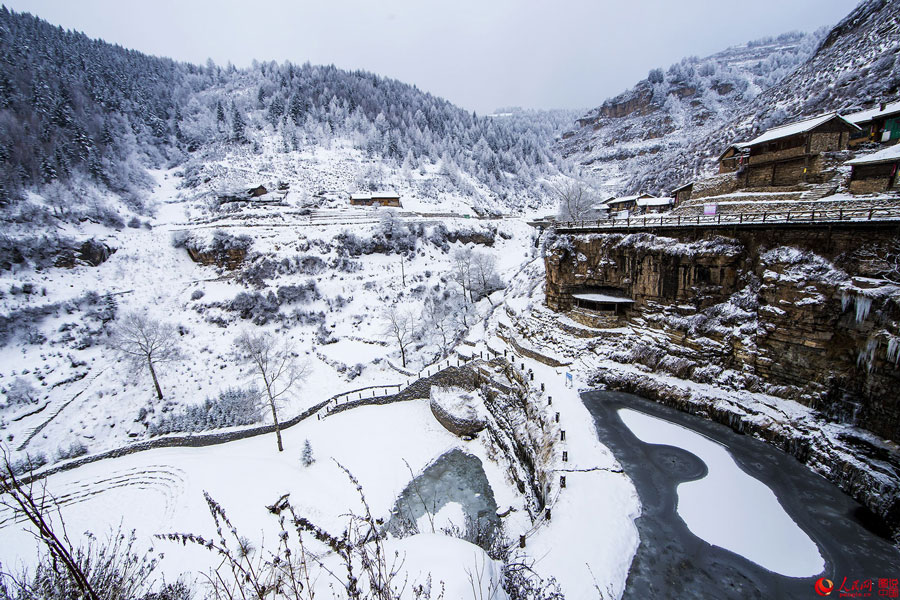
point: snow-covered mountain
(70, 105)
(638, 139)
(670, 127)
(856, 66)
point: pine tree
(237, 123)
(307, 457)
(220, 112)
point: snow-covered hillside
(638, 141)
(670, 127)
(316, 276)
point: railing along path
(776, 217)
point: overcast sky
(479, 54)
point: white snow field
(161, 491)
(85, 395)
(728, 508)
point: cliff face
(806, 315)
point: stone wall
(797, 333)
(872, 185)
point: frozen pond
(729, 508)
(724, 515)
(453, 491)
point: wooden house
(875, 173)
(732, 159)
(682, 194)
(792, 153)
(880, 124)
(625, 202)
(258, 191)
(646, 206)
(376, 199)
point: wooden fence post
(562, 481)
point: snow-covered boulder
(459, 411)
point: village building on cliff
(789, 154)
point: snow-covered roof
(682, 187)
(737, 146)
(604, 298)
(655, 201)
(783, 131)
(599, 206)
(385, 195)
(360, 196)
(890, 154)
(865, 116)
(627, 198)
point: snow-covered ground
(86, 395)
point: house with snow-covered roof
(625, 202)
(653, 205)
(789, 154)
(376, 199)
(878, 124)
(876, 172)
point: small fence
(456, 360)
(888, 215)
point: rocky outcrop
(799, 314)
(230, 259)
(460, 412)
(91, 252)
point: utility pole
(402, 271)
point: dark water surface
(672, 562)
(455, 476)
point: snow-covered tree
(276, 366)
(307, 457)
(400, 327)
(146, 343)
(575, 200)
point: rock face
(459, 411)
(804, 314)
(90, 252)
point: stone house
(789, 154)
(875, 173)
(682, 194)
(376, 199)
(879, 124)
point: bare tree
(146, 342)
(880, 259)
(485, 279)
(575, 200)
(461, 272)
(275, 364)
(399, 325)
